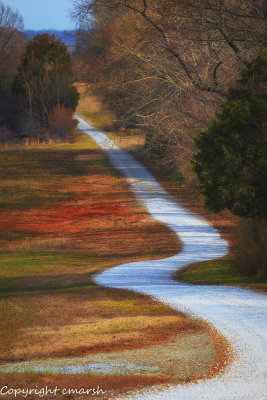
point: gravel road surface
(239, 314)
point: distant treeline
(66, 36)
(37, 95)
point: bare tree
(11, 44)
(167, 65)
(205, 31)
(10, 23)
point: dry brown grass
(92, 108)
(91, 320)
(131, 140)
(52, 311)
(59, 311)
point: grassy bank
(218, 272)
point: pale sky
(43, 14)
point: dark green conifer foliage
(45, 78)
(231, 162)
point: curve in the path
(239, 314)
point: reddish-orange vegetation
(73, 216)
(224, 353)
(104, 217)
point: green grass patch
(46, 271)
(33, 263)
(217, 272)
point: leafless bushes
(11, 47)
(11, 43)
(60, 123)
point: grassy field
(65, 216)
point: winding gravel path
(239, 314)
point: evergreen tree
(45, 78)
(231, 162)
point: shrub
(251, 254)
(60, 123)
